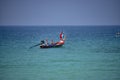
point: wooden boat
(52, 45)
(57, 44)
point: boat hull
(50, 46)
(57, 44)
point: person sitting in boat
(47, 42)
(52, 42)
(42, 42)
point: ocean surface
(89, 53)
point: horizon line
(60, 25)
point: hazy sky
(59, 12)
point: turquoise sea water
(89, 53)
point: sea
(89, 53)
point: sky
(59, 12)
